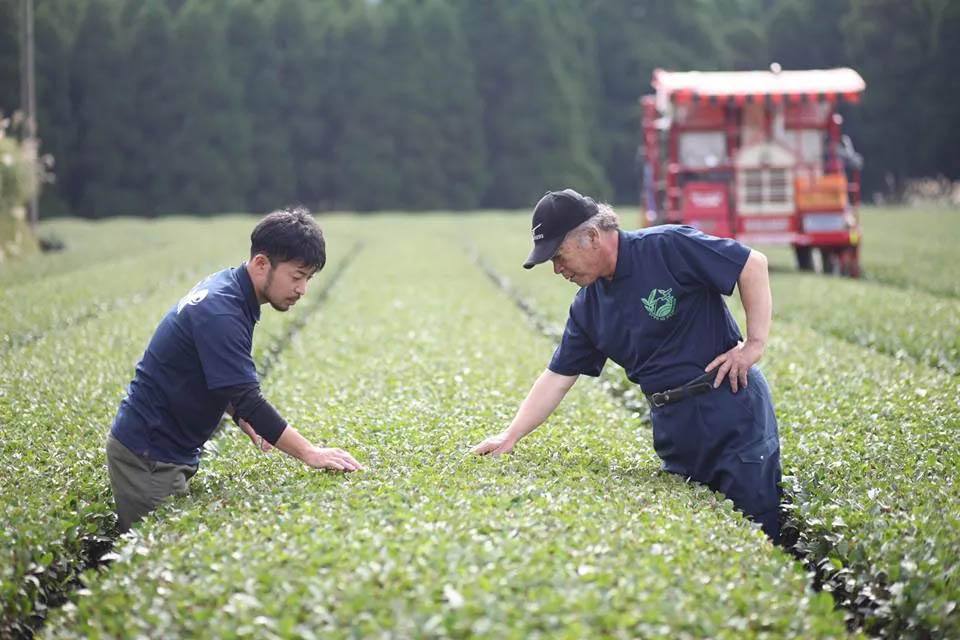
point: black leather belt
(695, 387)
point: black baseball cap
(557, 214)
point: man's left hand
(257, 439)
(736, 364)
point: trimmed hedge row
(92, 244)
(914, 324)
(871, 446)
(577, 534)
(913, 248)
(58, 302)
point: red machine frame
(752, 178)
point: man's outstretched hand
(331, 458)
(494, 445)
(318, 457)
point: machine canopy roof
(813, 84)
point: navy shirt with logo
(202, 344)
(662, 316)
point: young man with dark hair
(198, 365)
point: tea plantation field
(420, 338)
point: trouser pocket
(751, 480)
(171, 479)
(754, 477)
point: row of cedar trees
(194, 106)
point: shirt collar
(246, 285)
(624, 261)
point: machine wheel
(804, 258)
(840, 261)
(850, 262)
(831, 261)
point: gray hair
(605, 219)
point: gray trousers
(139, 484)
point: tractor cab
(759, 156)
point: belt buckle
(659, 399)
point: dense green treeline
(155, 106)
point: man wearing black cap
(651, 300)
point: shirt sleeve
(224, 344)
(250, 405)
(694, 257)
(576, 354)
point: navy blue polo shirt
(662, 316)
(202, 344)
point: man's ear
(260, 261)
(590, 238)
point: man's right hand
(294, 444)
(546, 394)
(495, 445)
(331, 458)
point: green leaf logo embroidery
(660, 304)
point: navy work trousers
(729, 442)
